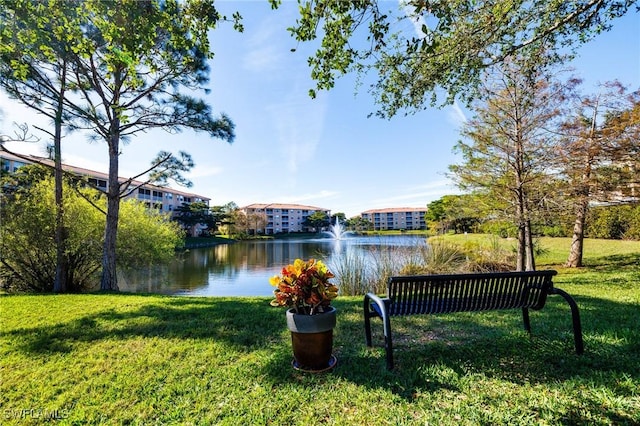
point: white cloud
(418, 196)
(262, 58)
(456, 115)
(299, 123)
(202, 171)
(265, 50)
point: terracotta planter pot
(312, 339)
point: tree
(509, 147)
(457, 212)
(240, 222)
(596, 153)
(223, 216)
(450, 46)
(338, 217)
(34, 61)
(190, 215)
(317, 221)
(27, 231)
(129, 64)
(622, 132)
(358, 223)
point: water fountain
(337, 231)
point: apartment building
(281, 218)
(157, 197)
(400, 218)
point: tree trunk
(62, 265)
(109, 279)
(522, 231)
(520, 251)
(577, 241)
(530, 250)
(582, 206)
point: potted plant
(305, 289)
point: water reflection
(242, 268)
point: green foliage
(189, 215)
(146, 236)
(28, 249)
(614, 222)
(502, 228)
(317, 220)
(358, 224)
(456, 42)
(127, 68)
(27, 246)
(457, 213)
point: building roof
(396, 210)
(92, 173)
(282, 206)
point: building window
(100, 183)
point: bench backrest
(431, 294)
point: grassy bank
(142, 359)
(194, 242)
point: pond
(244, 268)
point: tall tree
(509, 147)
(129, 67)
(597, 145)
(34, 61)
(444, 44)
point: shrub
(27, 236)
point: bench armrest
(379, 304)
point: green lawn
(141, 359)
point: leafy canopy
(443, 44)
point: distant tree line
(457, 214)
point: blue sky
(323, 152)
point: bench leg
(382, 305)
(575, 316)
(388, 345)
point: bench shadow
(465, 344)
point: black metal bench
(435, 294)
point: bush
(614, 222)
(502, 228)
(27, 236)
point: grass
(192, 242)
(147, 359)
